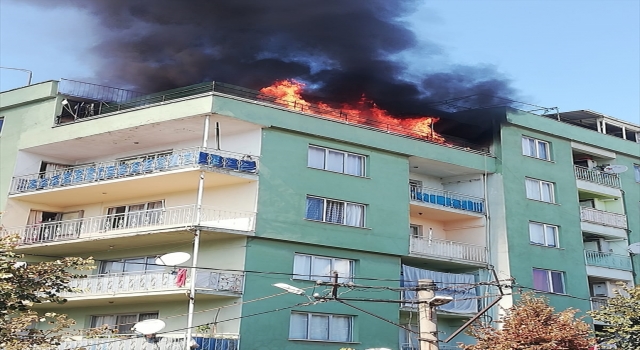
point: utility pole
(427, 315)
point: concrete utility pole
(427, 315)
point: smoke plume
(341, 49)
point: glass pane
(340, 328)
(543, 150)
(636, 170)
(528, 147)
(316, 157)
(302, 267)
(151, 264)
(319, 327)
(354, 215)
(547, 192)
(540, 280)
(335, 161)
(298, 326)
(536, 234)
(125, 323)
(314, 208)
(556, 282)
(98, 321)
(533, 189)
(355, 165)
(321, 269)
(551, 236)
(343, 266)
(132, 265)
(148, 316)
(334, 212)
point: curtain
(335, 161)
(334, 212)
(302, 267)
(457, 286)
(556, 282)
(124, 323)
(355, 215)
(319, 327)
(321, 269)
(540, 280)
(355, 165)
(97, 321)
(542, 150)
(547, 192)
(298, 326)
(343, 267)
(35, 217)
(533, 189)
(551, 236)
(314, 208)
(316, 157)
(340, 329)
(536, 234)
(528, 147)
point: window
(140, 264)
(414, 187)
(134, 215)
(543, 234)
(313, 268)
(415, 230)
(540, 190)
(1, 123)
(636, 171)
(307, 326)
(535, 148)
(337, 161)
(337, 212)
(548, 281)
(121, 323)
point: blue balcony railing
(195, 157)
(447, 199)
(608, 260)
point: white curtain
(528, 147)
(125, 323)
(335, 161)
(547, 192)
(533, 189)
(542, 150)
(343, 266)
(302, 267)
(97, 321)
(316, 157)
(35, 217)
(458, 286)
(321, 269)
(355, 165)
(355, 215)
(334, 212)
(319, 327)
(551, 236)
(536, 234)
(298, 326)
(340, 328)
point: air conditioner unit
(599, 289)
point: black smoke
(340, 48)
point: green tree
(622, 316)
(533, 324)
(23, 285)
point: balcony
(87, 230)
(136, 167)
(597, 176)
(137, 342)
(441, 198)
(608, 260)
(448, 250)
(602, 217)
(598, 302)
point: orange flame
(288, 93)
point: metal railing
(194, 157)
(602, 217)
(130, 222)
(447, 199)
(149, 281)
(608, 260)
(598, 302)
(463, 252)
(96, 92)
(138, 342)
(597, 176)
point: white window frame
(537, 143)
(309, 276)
(636, 171)
(550, 288)
(552, 195)
(116, 326)
(127, 215)
(148, 261)
(2, 120)
(416, 230)
(344, 161)
(344, 209)
(331, 316)
(544, 234)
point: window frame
(537, 143)
(344, 214)
(346, 154)
(636, 172)
(2, 120)
(312, 277)
(93, 319)
(416, 230)
(149, 261)
(552, 193)
(556, 234)
(549, 280)
(309, 316)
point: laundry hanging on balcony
(458, 286)
(181, 277)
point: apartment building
(291, 194)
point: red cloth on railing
(181, 278)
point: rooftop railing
(602, 217)
(447, 199)
(597, 176)
(608, 260)
(135, 166)
(118, 224)
(450, 250)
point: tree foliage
(622, 316)
(24, 285)
(533, 324)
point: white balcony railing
(138, 342)
(462, 252)
(597, 176)
(447, 199)
(598, 302)
(608, 260)
(602, 217)
(150, 281)
(131, 222)
(194, 157)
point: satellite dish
(149, 326)
(616, 169)
(634, 248)
(173, 259)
